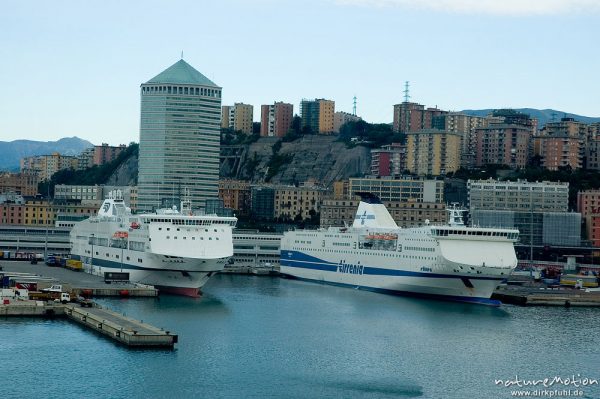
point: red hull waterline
(183, 291)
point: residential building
(399, 190)
(466, 126)
(317, 115)
(38, 212)
(340, 118)
(236, 195)
(502, 144)
(24, 183)
(276, 120)
(227, 117)
(412, 117)
(433, 152)
(179, 138)
(238, 117)
(341, 189)
(12, 209)
(294, 202)
(519, 195)
(593, 154)
(47, 165)
(106, 153)
(388, 161)
(562, 144)
(85, 159)
(336, 212)
(588, 204)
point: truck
(74, 265)
(13, 294)
(62, 297)
(51, 260)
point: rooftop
(182, 73)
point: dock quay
(534, 296)
(122, 292)
(120, 328)
(253, 270)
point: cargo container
(75, 265)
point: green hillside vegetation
(373, 135)
(90, 176)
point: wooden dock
(123, 329)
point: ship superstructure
(172, 249)
(452, 262)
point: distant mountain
(543, 115)
(11, 152)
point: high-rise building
(562, 143)
(503, 144)
(466, 126)
(106, 153)
(389, 160)
(179, 138)
(47, 165)
(238, 117)
(432, 152)
(227, 117)
(276, 120)
(318, 115)
(412, 117)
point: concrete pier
(528, 296)
(125, 330)
(32, 308)
(122, 292)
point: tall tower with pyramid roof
(179, 138)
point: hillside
(322, 158)
(543, 115)
(11, 152)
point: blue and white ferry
(450, 262)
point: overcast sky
(73, 68)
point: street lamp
(92, 238)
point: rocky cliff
(312, 157)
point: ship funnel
(372, 213)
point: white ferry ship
(175, 251)
(451, 262)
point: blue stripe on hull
(304, 261)
(466, 299)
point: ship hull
(179, 276)
(397, 281)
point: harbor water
(261, 337)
